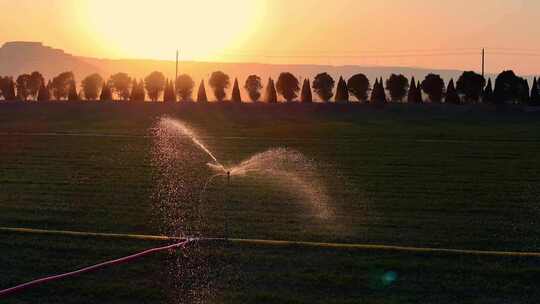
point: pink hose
(22, 287)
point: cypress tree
(306, 96)
(342, 92)
(137, 92)
(487, 95)
(382, 93)
(235, 97)
(72, 94)
(43, 93)
(106, 93)
(524, 94)
(134, 88)
(201, 94)
(374, 91)
(271, 94)
(451, 93)
(411, 98)
(418, 95)
(535, 94)
(142, 91)
(9, 90)
(168, 93)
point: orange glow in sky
(426, 33)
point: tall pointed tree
(383, 98)
(487, 95)
(411, 98)
(235, 96)
(169, 94)
(201, 94)
(134, 88)
(106, 92)
(451, 93)
(524, 96)
(271, 94)
(418, 95)
(374, 91)
(8, 88)
(306, 96)
(43, 93)
(535, 94)
(137, 91)
(342, 92)
(72, 93)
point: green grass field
(429, 176)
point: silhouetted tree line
(470, 87)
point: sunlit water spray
(289, 168)
(186, 167)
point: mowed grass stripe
(282, 243)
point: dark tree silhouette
(378, 95)
(433, 85)
(137, 91)
(342, 92)
(271, 94)
(418, 95)
(253, 86)
(43, 93)
(534, 101)
(154, 84)
(169, 95)
(23, 86)
(470, 84)
(72, 92)
(306, 96)
(219, 82)
(525, 90)
(201, 95)
(106, 92)
(451, 94)
(359, 86)
(235, 96)
(411, 96)
(120, 83)
(487, 95)
(61, 84)
(35, 83)
(288, 86)
(397, 86)
(510, 88)
(323, 85)
(374, 92)
(91, 86)
(383, 91)
(184, 87)
(7, 88)
(134, 88)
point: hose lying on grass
(35, 283)
(183, 242)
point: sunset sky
(426, 33)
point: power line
(354, 56)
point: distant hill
(24, 57)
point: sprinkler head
(229, 176)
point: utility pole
(483, 62)
(176, 73)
